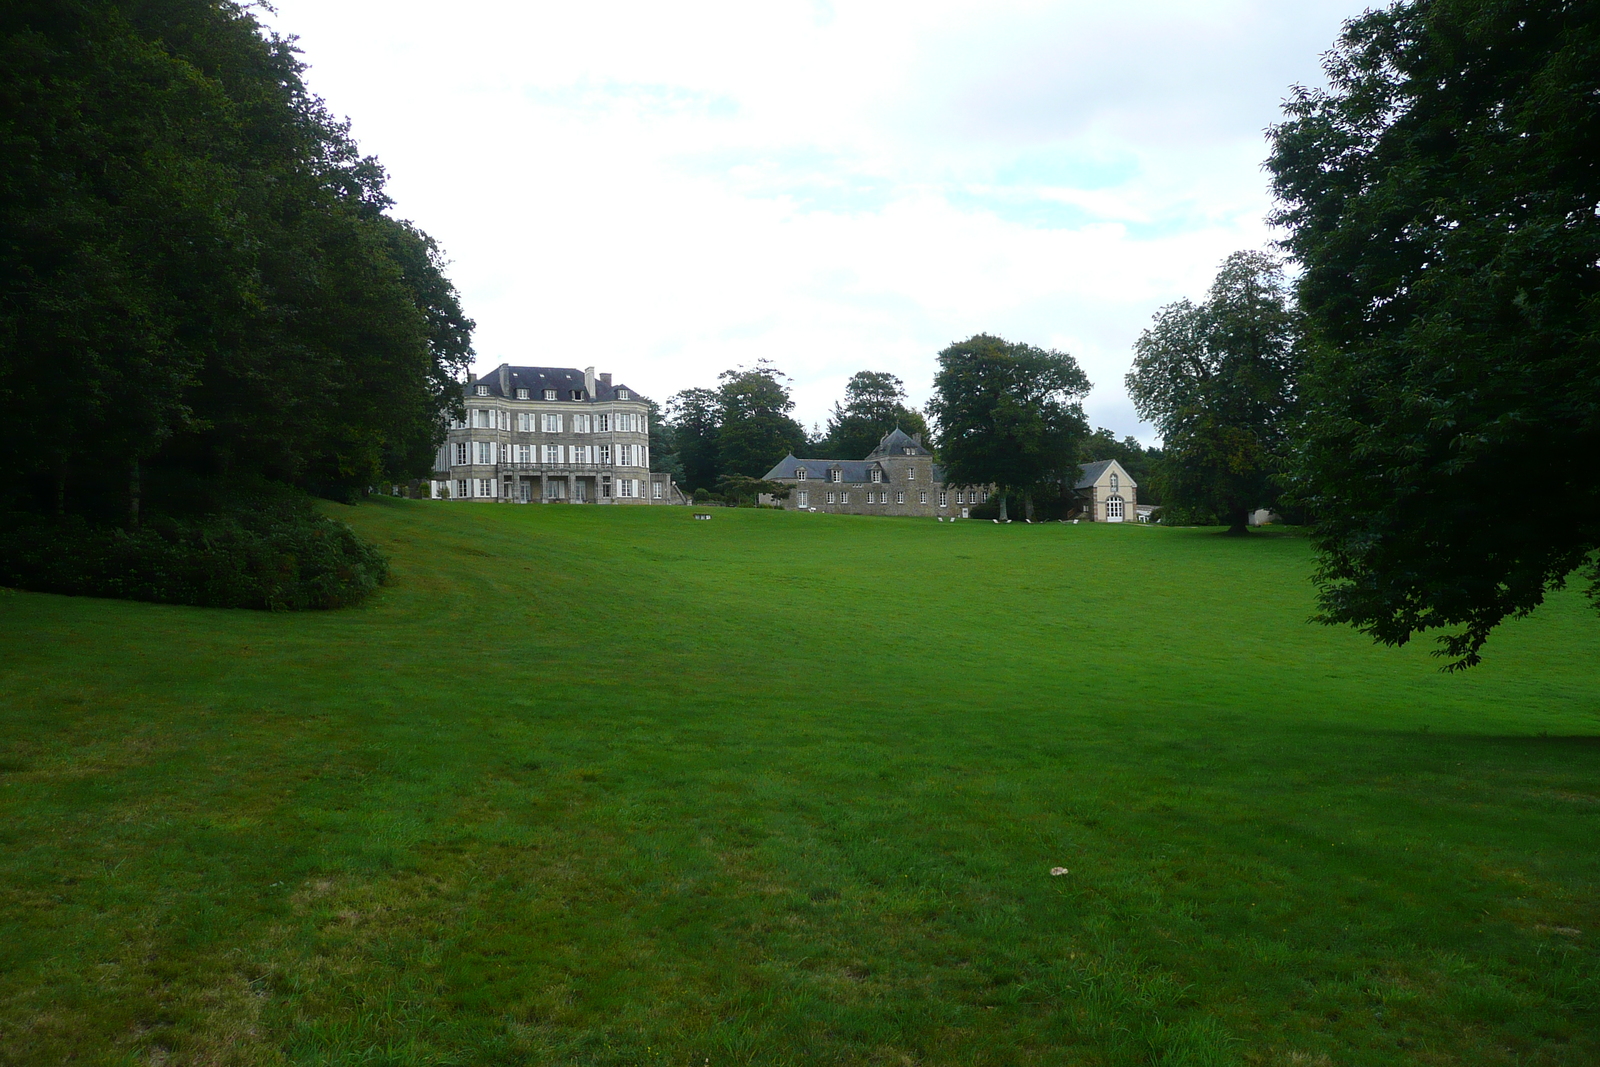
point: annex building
(550, 435)
(899, 477)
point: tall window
(524, 453)
(580, 453)
(626, 455)
(1114, 508)
(844, 498)
(1114, 486)
(605, 487)
(899, 498)
(550, 423)
(922, 497)
(833, 498)
(803, 497)
(485, 451)
(605, 423)
(605, 454)
(552, 454)
(486, 487)
(461, 487)
(911, 474)
(461, 453)
(524, 421)
(582, 423)
(627, 487)
(944, 500)
(657, 490)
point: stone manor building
(551, 435)
(899, 477)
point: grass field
(612, 786)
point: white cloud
(665, 191)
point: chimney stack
(606, 378)
(505, 380)
(471, 377)
(917, 437)
(588, 382)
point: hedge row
(274, 555)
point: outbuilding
(1106, 493)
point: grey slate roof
(895, 443)
(1093, 471)
(852, 470)
(537, 379)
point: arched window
(1114, 509)
(1114, 485)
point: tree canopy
(1009, 415)
(741, 428)
(199, 270)
(1218, 381)
(1441, 196)
(874, 405)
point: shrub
(269, 553)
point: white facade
(550, 435)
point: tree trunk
(135, 491)
(1240, 519)
(1003, 508)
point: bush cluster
(271, 554)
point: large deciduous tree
(1009, 415)
(1443, 198)
(874, 404)
(1218, 381)
(755, 429)
(696, 418)
(198, 271)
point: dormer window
(549, 394)
(800, 474)
(911, 451)
(622, 394)
(836, 475)
(1114, 485)
(522, 394)
(483, 390)
(877, 476)
(577, 394)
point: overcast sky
(668, 190)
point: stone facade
(1106, 493)
(551, 435)
(899, 477)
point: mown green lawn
(613, 786)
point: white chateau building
(551, 435)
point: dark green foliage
(874, 405)
(198, 271)
(1009, 415)
(1218, 381)
(275, 553)
(1442, 197)
(755, 429)
(694, 418)
(746, 490)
